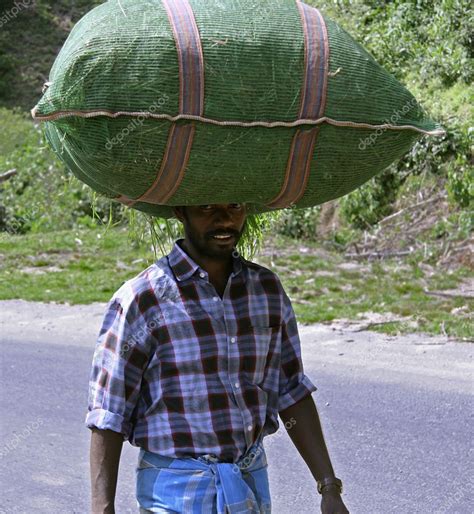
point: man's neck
(217, 269)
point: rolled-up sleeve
(120, 358)
(294, 385)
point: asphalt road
(395, 411)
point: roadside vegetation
(88, 264)
(396, 255)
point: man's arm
(304, 428)
(306, 433)
(105, 450)
(122, 352)
(298, 412)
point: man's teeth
(223, 237)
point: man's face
(213, 230)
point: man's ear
(179, 213)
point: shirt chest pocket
(255, 343)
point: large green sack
(188, 102)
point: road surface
(395, 411)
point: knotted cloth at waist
(204, 485)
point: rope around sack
(228, 123)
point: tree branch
(8, 174)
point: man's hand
(332, 502)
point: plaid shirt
(182, 372)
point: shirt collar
(184, 266)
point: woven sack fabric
(158, 103)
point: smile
(223, 238)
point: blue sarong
(203, 485)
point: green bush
(373, 201)
(29, 43)
(298, 223)
(461, 182)
(42, 196)
(434, 39)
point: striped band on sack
(178, 148)
(313, 102)
(191, 102)
(190, 57)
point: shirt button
(249, 428)
(202, 275)
(237, 384)
(215, 298)
(232, 339)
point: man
(196, 358)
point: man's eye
(236, 205)
(206, 207)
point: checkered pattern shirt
(182, 372)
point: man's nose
(223, 216)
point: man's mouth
(223, 237)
